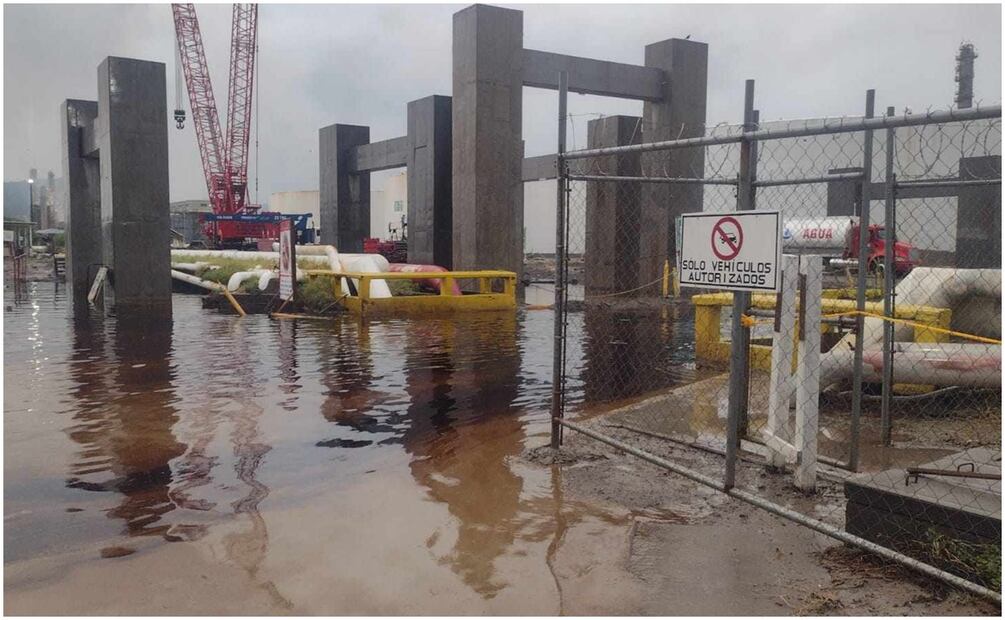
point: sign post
(739, 251)
(287, 261)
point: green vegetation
(223, 268)
(318, 295)
(983, 561)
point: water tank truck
(836, 240)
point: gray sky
(361, 63)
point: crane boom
(224, 158)
(201, 100)
(244, 33)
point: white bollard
(808, 372)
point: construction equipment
(224, 158)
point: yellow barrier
(445, 301)
(709, 346)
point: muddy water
(220, 465)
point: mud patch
(116, 552)
(545, 455)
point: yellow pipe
(233, 302)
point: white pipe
(238, 277)
(973, 296)
(241, 255)
(185, 277)
(191, 267)
(922, 363)
(365, 263)
(338, 260)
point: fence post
(739, 359)
(863, 268)
(889, 281)
(558, 360)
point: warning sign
(287, 261)
(738, 251)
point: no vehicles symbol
(727, 238)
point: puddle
(383, 456)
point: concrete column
(844, 197)
(345, 197)
(613, 210)
(979, 215)
(430, 192)
(487, 143)
(680, 114)
(82, 196)
(135, 217)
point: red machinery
(225, 163)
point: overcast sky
(360, 64)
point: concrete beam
(430, 190)
(377, 156)
(680, 113)
(593, 77)
(487, 143)
(135, 216)
(82, 197)
(344, 196)
(539, 168)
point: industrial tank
(828, 236)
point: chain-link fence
(862, 398)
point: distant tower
(965, 76)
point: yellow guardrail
(930, 324)
(446, 301)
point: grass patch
(318, 295)
(223, 268)
(984, 562)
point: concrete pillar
(680, 114)
(613, 210)
(430, 192)
(979, 215)
(345, 197)
(135, 217)
(844, 197)
(487, 143)
(82, 196)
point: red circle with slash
(728, 234)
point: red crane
(224, 161)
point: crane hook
(179, 119)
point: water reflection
(454, 378)
(634, 351)
(125, 424)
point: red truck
(837, 239)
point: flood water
(262, 465)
